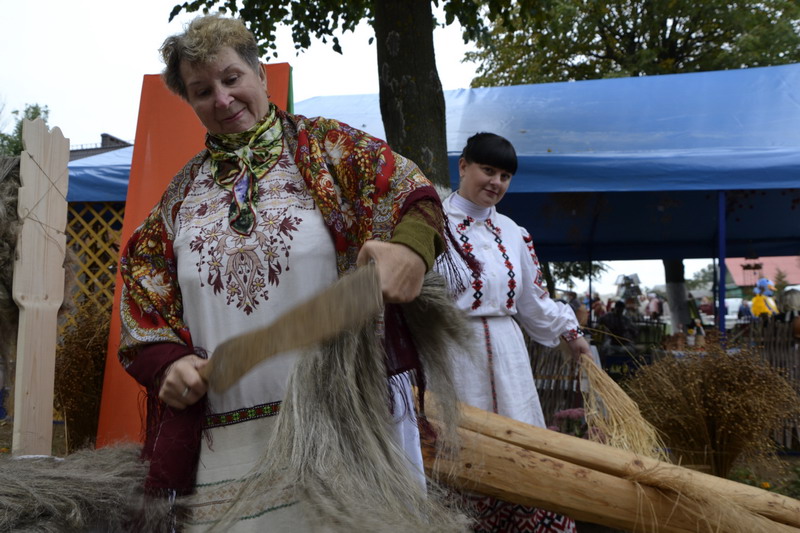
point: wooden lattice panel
(93, 231)
(556, 380)
(782, 351)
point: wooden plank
(38, 286)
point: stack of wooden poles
(592, 482)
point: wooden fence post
(38, 286)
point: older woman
(505, 297)
(275, 209)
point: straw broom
(611, 415)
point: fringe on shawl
(448, 261)
(333, 450)
(172, 436)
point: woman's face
(225, 93)
(483, 185)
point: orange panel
(168, 134)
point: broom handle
(621, 463)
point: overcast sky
(85, 59)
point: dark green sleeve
(417, 230)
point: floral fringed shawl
(362, 190)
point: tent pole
(595, 215)
(721, 235)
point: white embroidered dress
(232, 284)
(507, 295)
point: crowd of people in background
(653, 306)
(624, 313)
(590, 308)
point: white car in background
(732, 312)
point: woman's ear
(462, 166)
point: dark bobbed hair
(200, 42)
(491, 149)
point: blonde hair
(200, 42)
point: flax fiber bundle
(90, 490)
(332, 450)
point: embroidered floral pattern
(512, 283)
(360, 186)
(492, 515)
(466, 246)
(572, 334)
(243, 267)
(529, 243)
(477, 282)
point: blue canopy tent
(661, 167)
(100, 178)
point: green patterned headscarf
(239, 160)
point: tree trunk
(411, 98)
(676, 294)
(548, 278)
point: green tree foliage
(565, 273)
(411, 98)
(708, 277)
(703, 278)
(11, 143)
(568, 40)
(781, 280)
(590, 39)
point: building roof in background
(746, 272)
(108, 143)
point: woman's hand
(182, 385)
(401, 269)
(579, 346)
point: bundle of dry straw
(612, 417)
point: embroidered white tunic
(232, 284)
(508, 294)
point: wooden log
(38, 286)
(495, 468)
(626, 465)
(511, 473)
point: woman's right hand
(182, 385)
